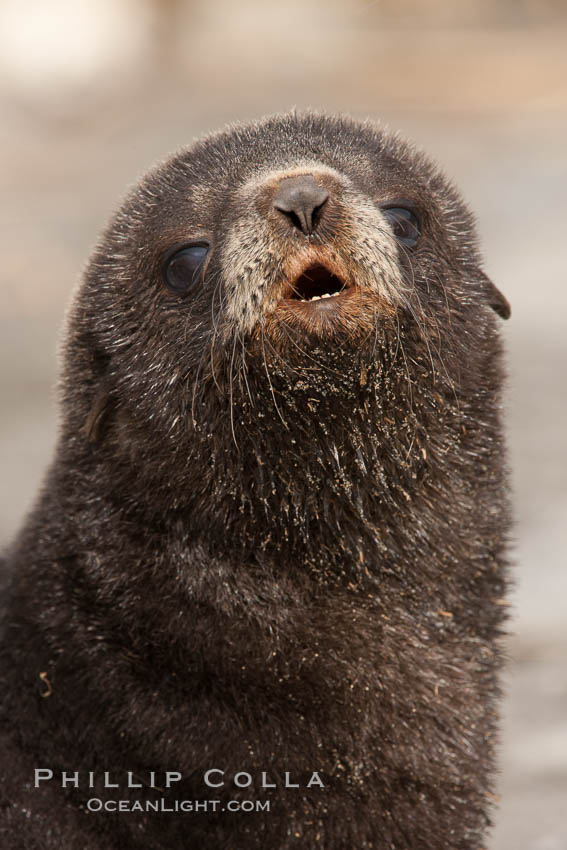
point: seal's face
(304, 225)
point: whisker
(268, 377)
(244, 368)
(231, 396)
(215, 323)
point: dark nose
(300, 199)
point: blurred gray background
(93, 92)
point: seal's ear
(96, 416)
(495, 299)
(101, 403)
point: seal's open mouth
(316, 282)
(320, 296)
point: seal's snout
(310, 250)
(301, 200)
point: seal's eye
(404, 223)
(183, 270)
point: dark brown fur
(270, 550)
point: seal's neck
(313, 465)
(327, 455)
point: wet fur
(264, 551)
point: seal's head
(309, 280)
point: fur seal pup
(264, 578)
